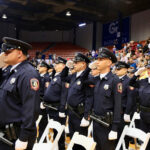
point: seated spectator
(132, 63)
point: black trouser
(31, 142)
(145, 124)
(54, 115)
(43, 123)
(74, 126)
(100, 134)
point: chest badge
(79, 82)
(12, 80)
(55, 79)
(106, 86)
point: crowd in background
(132, 53)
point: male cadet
(107, 102)
(56, 96)
(44, 82)
(19, 98)
(121, 72)
(79, 98)
(126, 97)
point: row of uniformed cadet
(80, 96)
(80, 92)
(142, 88)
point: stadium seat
(87, 142)
(135, 134)
(50, 145)
(63, 49)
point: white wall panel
(140, 26)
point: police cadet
(56, 96)
(107, 102)
(143, 88)
(79, 98)
(44, 82)
(126, 98)
(19, 98)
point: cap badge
(106, 86)
(12, 80)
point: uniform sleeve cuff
(23, 135)
(115, 127)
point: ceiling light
(68, 13)
(82, 24)
(4, 16)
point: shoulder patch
(119, 87)
(34, 84)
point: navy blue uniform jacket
(20, 99)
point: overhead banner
(111, 32)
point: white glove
(93, 65)
(69, 64)
(84, 123)
(20, 145)
(140, 71)
(42, 106)
(62, 115)
(126, 118)
(112, 135)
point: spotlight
(4, 16)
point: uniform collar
(56, 74)
(17, 66)
(50, 73)
(149, 80)
(122, 77)
(42, 74)
(79, 73)
(102, 76)
(14, 66)
(96, 76)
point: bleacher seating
(38, 47)
(63, 49)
